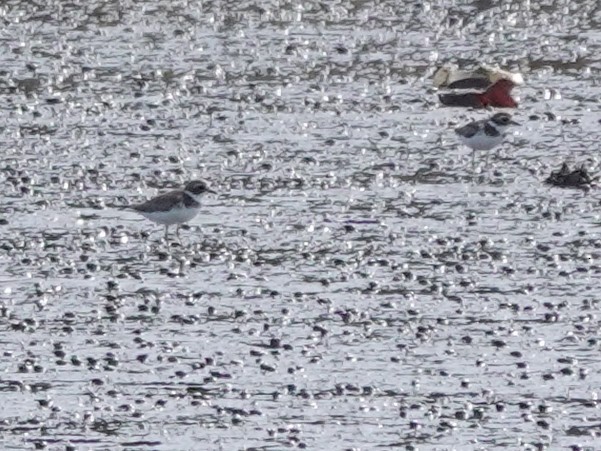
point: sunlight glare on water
(354, 284)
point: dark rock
(568, 178)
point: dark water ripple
(354, 285)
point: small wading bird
(485, 134)
(175, 207)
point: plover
(485, 134)
(175, 207)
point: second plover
(485, 134)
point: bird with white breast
(175, 207)
(485, 134)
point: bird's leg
(473, 158)
(177, 232)
(166, 233)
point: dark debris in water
(565, 177)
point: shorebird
(175, 207)
(485, 134)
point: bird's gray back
(163, 202)
(470, 129)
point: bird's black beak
(514, 123)
(211, 191)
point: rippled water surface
(356, 283)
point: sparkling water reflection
(355, 285)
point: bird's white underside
(481, 141)
(171, 217)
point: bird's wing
(161, 203)
(468, 130)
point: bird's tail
(123, 207)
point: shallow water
(356, 284)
